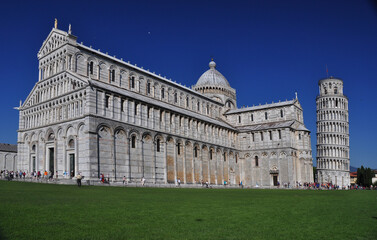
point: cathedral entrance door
(275, 179)
(72, 164)
(51, 160)
(33, 163)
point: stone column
(209, 166)
(44, 155)
(201, 163)
(154, 163)
(76, 155)
(142, 155)
(55, 157)
(65, 154)
(5, 161)
(126, 109)
(216, 160)
(193, 165)
(129, 159)
(184, 163)
(114, 157)
(166, 159)
(175, 162)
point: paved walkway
(120, 183)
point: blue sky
(267, 50)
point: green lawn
(44, 211)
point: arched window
(133, 141)
(71, 143)
(252, 137)
(239, 119)
(112, 75)
(198, 106)
(148, 88)
(33, 148)
(51, 137)
(162, 93)
(279, 134)
(281, 113)
(210, 154)
(335, 90)
(187, 102)
(175, 97)
(158, 145)
(107, 100)
(236, 158)
(261, 136)
(91, 68)
(132, 82)
(256, 161)
(224, 157)
(121, 105)
(270, 133)
(195, 151)
(179, 148)
(252, 117)
(135, 109)
(265, 115)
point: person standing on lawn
(79, 177)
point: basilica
(96, 114)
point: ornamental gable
(55, 40)
(56, 86)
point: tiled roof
(271, 105)
(5, 147)
(272, 125)
(264, 126)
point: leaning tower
(333, 159)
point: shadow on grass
(375, 218)
(2, 236)
(199, 220)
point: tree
(364, 176)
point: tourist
(79, 177)
(142, 181)
(51, 176)
(124, 180)
(179, 182)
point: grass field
(43, 211)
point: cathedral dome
(212, 77)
